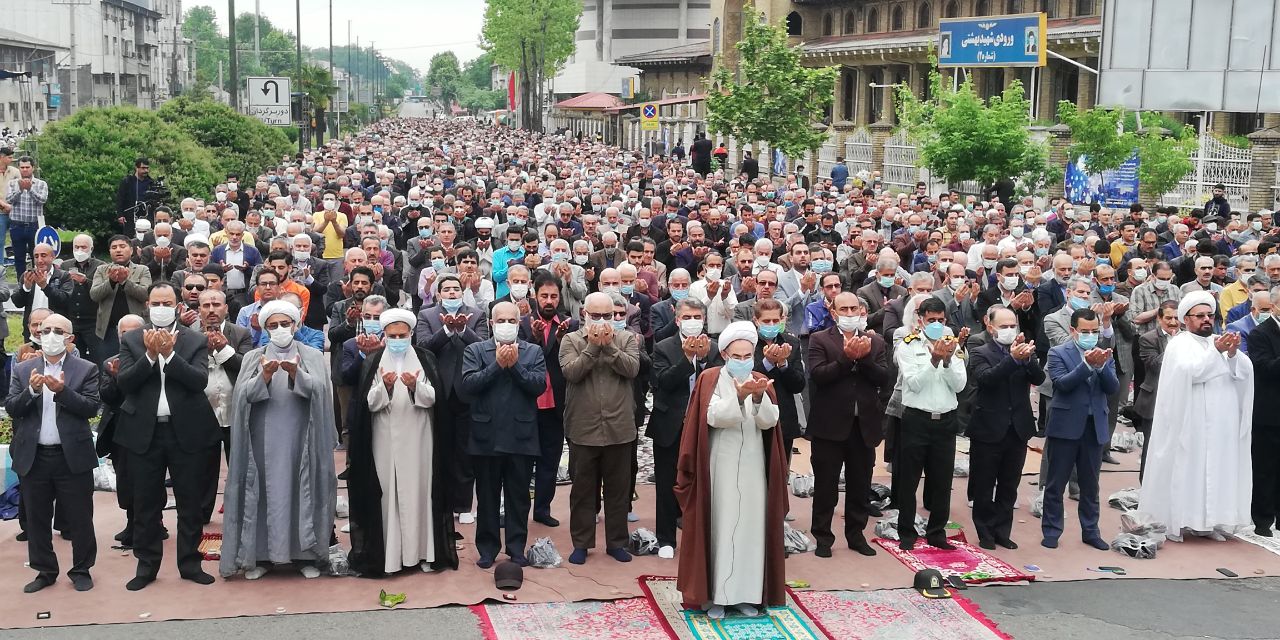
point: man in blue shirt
(839, 174)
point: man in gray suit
(228, 342)
(445, 330)
(51, 399)
(1151, 352)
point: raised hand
(713, 288)
(777, 353)
(388, 378)
(410, 380)
(36, 381)
(216, 341)
(857, 347)
(942, 350)
(290, 366)
(1223, 342)
(507, 355)
(269, 368)
(55, 384)
(963, 337)
(368, 343)
(165, 342)
(188, 316)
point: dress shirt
(235, 277)
(162, 405)
(48, 410)
(926, 387)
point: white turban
(398, 315)
(1193, 300)
(194, 237)
(740, 330)
(279, 307)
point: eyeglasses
(1201, 316)
(194, 287)
(55, 331)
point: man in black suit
(164, 369)
(1264, 353)
(446, 330)
(700, 154)
(780, 358)
(109, 392)
(228, 342)
(848, 366)
(544, 328)
(750, 166)
(1151, 347)
(676, 360)
(1012, 293)
(51, 400)
(1000, 423)
(503, 379)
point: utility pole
(332, 76)
(257, 39)
(75, 68)
(173, 82)
(234, 87)
(302, 139)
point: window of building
(924, 16)
(875, 100)
(715, 36)
(873, 20)
(952, 10)
(828, 24)
(851, 21)
(982, 8)
(795, 24)
(1066, 84)
(1049, 8)
(849, 94)
(1084, 7)
(1013, 6)
(896, 20)
(1243, 124)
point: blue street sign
(650, 111)
(1000, 41)
(48, 235)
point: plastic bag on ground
(1037, 505)
(962, 468)
(1124, 499)
(338, 565)
(802, 486)
(1135, 546)
(1143, 524)
(104, 477)
(881, 492)
(795, 541)
(1124, 441)
(543, 554)
(643, 542)
(343, 509)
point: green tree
(534, 38)
(1162, 160)
(476, 100)
(963, 138)
(317, 83)
(201, 27)
(777, 99)
(241, 144)
(476, 72)
(1094, 136)
(445, 75)
(85, 156)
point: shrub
(240, 144)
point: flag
(511, 91)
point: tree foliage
(961, 137)
(534, 38)
(477, 71)
(777, 99)
(84, 157)
(201, 27)
(1162, 160)
(445, 75)
(243, 145)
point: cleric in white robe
(1199, 470)
(281, 488)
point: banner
(511, 91)
(1115, 188)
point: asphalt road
(1244, 609)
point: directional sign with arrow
(269, 99)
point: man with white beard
(1199, 468)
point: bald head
(505, 311)
(129, 322)
(598, 302)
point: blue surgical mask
(619, 325)
(679, 294)
(1263, 316)
(934, 330)
(373, 326)
(397, 345)
(559, 256)
(1104, 260)
(1106, 289)
(628, 289)
(913, 228)
(739, 369)
(1042, 251)
(424, 232)
(886, 281)
(1077, 239)
(382, 243)
(451, 306)
(770, 331)
(1078, 303)
(437, 264)
(1087, 340)
(821, 266)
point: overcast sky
(410, 30)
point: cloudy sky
(410, 30)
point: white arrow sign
(269, 100)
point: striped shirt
(28, 204)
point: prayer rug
(898, 614)
(971, 564)
(1270, 544)
(774, 623)
(211, 546)
(628, 619)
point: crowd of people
(450, 305)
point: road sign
(340, 102)
(1000, 41)
(648, 117)
(269, 100)
(48, 235)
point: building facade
(613, 29)
(24, 101)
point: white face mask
(956, 283)
(851, 324)
(162, 316)
(330, 205)
(505, 332)
(162, 241)
(188, 215)
(1006, 336)
(53, 344)
(281, 336)
(691, 327)
(1140, 274)
(713, 273)
(1009, 282)
(300, 255)
(220, 196)
(580, 258)
(519, 290)
(79, 255)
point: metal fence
(1215, 163)
(901, 163)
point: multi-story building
(126, 51)
(612, 29)
(24, 100)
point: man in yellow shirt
(1126, 241)
(1238, 291)
(332, 224)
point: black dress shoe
(39, 583)
(21, 537)
(907, 544)
(822, 552)
(199, 577)
(139, 582)
(1263, 531)
(164, 534)
(987, 543)
(940, 543)
(81, 581)
(1007, 543)
(547, 520)
(875, 512)
(861, 546)
(1109, 459)
(125, 534)
(343, 475)
(520, 561)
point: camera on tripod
(154, 196)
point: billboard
(1190, 55)
(993, 41)
(1115, 188)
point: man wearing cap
(732, 467)
(503, 378)
(281, 486)
(1199, 463)
(400, 515)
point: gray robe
(297, 455)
